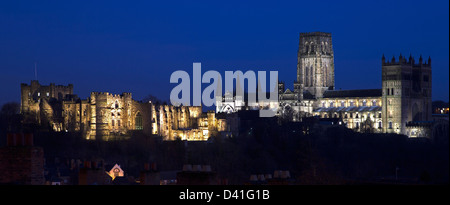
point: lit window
(48, 94)
(39, 94)
(138, 122)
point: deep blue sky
(123, 46)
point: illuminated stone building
(402, 105)
(109, 116)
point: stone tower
(406, 88)
(315, 67)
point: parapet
(403, 61)
(317, 33)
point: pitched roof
(352, 93)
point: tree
(367, 126)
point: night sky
(123, 46)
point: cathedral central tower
(315, 65)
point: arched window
(307, 76)
(138, 121)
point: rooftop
(352, 93)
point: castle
(108, 116)
(402, 105)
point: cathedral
(402, 105)
(107, 116)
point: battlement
(36, 83)
(111, 94)
(70, 86)
(403, 61)
(313, 34)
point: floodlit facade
(109, 116)
(402, 105)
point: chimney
(10, 140)
(285, 174)
(94, 165)
(87, 164)
(29, 139)
(261, 177)
(19, 139)
(276, 174)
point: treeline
(313, 154)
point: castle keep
(109, 116)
